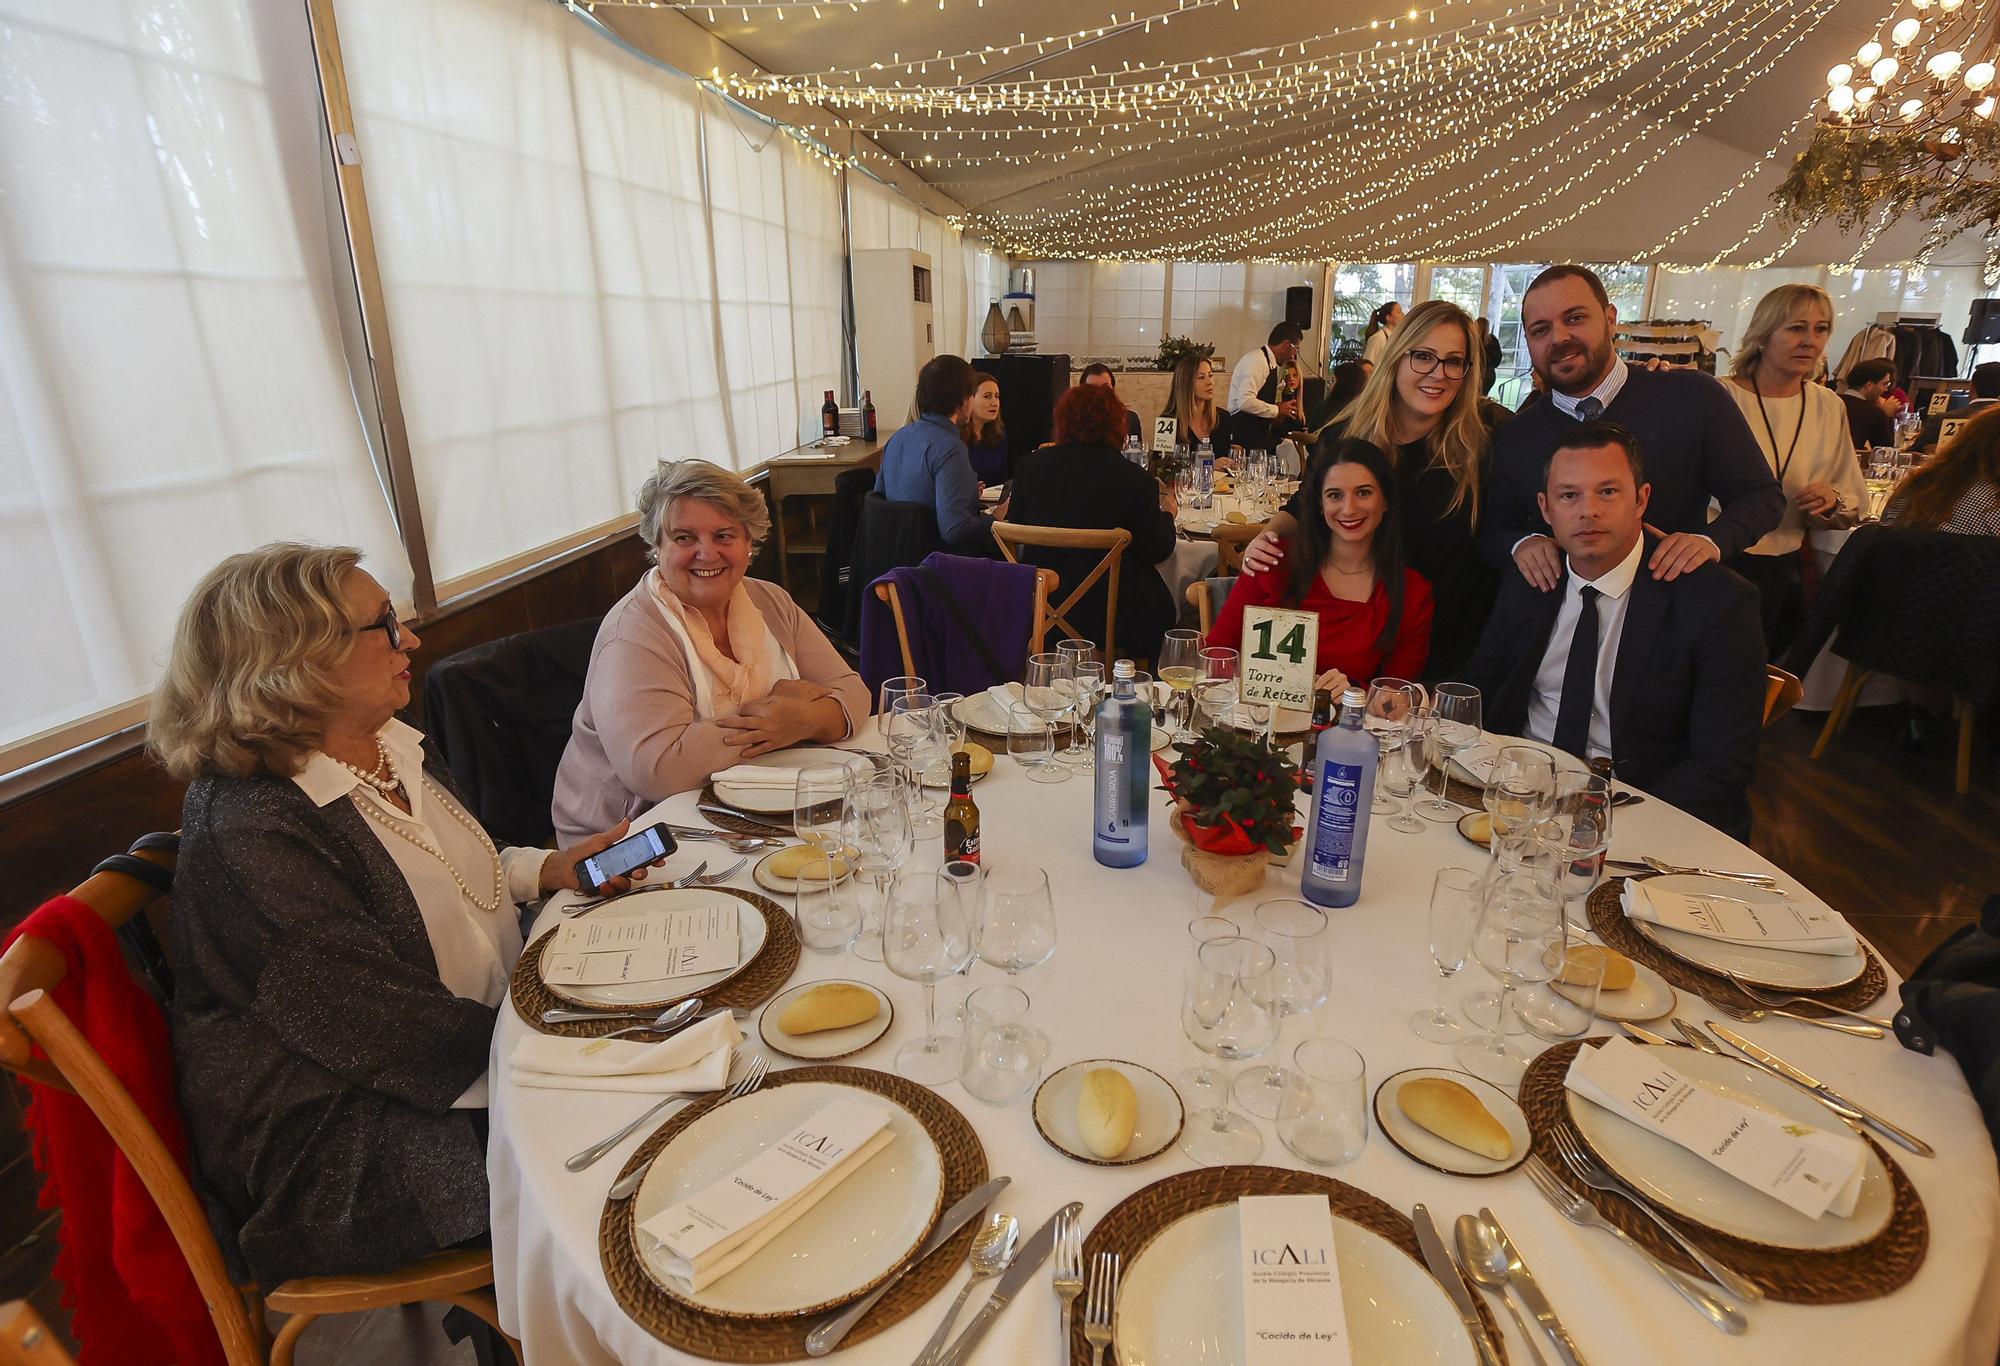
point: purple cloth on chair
(997, 597)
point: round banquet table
(1112, 990)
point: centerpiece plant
(1233, 793)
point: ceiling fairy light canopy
(1360, 130)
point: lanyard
(1791, 450)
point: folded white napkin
(998, 716)
(696, 1059)
(761, 776)
(1793, 924)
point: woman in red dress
(1346, 565)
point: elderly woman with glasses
(344, 929)
(699, 667)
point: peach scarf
(746, 678)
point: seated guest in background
(1490, 356)
(1666, 676)
(343, 928)
(1985, 392)
(1801, 427)
(1258, 411)
(1383, 321)
(1958, 489)
(1345, 562)
(698, 667)
(1098, 373)
(1343, 387)
(983, 433)
(1082, 481)
(1868, 421)
(1191, 404)
(1698, 447)
(926, 461)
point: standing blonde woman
(1802, 429)
(1421, 405)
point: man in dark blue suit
(1664, 675)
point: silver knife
(1708, 1045)
(827, 1334)
(1649, 1037)
(1538, 1304)
(1445, 1271)
(1821, 1089)
(1026, 1264)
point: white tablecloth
(1112, 991)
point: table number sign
(1940, 402)
(1166, 431)
(1280, 657)
(1950, 428)
(1292, 1312)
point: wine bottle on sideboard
(829, 416)
(867, 415)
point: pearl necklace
(384, 819)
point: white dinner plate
(981, 712)
(665, 991)
(1678, 1180)
(761, 874)
(826, 1044)
(768, 801)
(1182, 1301)
(1648, 998)
(1160, 1112)
(1761, 966)
(1475, 765)
(840, 1248)
(1440, 1154)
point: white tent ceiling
(1477, 130)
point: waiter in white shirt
(1257, 407)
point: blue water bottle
(1124, 751)
(1343, 788)
(1204, 475)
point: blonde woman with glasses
(1421, 405)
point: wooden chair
(1965, 709)
(26, 1341)
(1009, 536)
(27, 972)
(1045, 584)
(1201, 596)
(1782, 692)
(1230, 539)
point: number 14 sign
(1280, 657)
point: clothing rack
(1677, 341)
(1900, 319)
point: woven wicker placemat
(1145, 1214)
(723, 816)
(1869, 1271)
(756, 1340)
(753, 984)
(1607, 918)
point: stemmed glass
(926, 938)
(1090, 690)
(1410, 765)
(1454, 911)
(1454, 730)
(1218, 671)
(1179, 668)
(903, 685)
(1017, 918)
(916, 731)
(1302, 972)
(1577, 832)
(1520, 793)
(1519, 938)
(1226, 1013)
(1047, 692)
(1205, 1085)
(1078, 656)
(1387, 718)
(883, 842)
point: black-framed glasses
(1424, 361)
(388, 625)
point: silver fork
(1861, 1031)
(1766, 997)
(695, 880)
(578, 1161)
(1578, 1210)
(1068, 1270)
(1593, 1173)
(1097, 1310)
(625, 1185)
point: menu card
(717, 1229)
(607, 948)
(1292, 1313)
(1815, 1171)
(1795, 926)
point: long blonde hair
(1773, 311)
(1459, 442)
(1181, 403)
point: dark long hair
(1929, 493)
(1313, 542)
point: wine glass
(883, 841)
(1205, 1084)
(1048, 695)
(1078, 655)
(1454, 911)
(925, 938)
(1519, 938)
(1017, 918)
(1226, 1013)
(903, 685)
(1387, 717)
(1519, 795)
(1090, 690)
(1410, 765)
(827, 910)
(1302, 972)
(951, 725)
(1577, 832)
(916, 731)
(1179, 668)
(1455, 730)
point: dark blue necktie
(1590, 409)
(1579, 678)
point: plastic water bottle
(1135, 452)
(1124, 752)
(1343, 787)
(1204, 475)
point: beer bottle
(961, 814)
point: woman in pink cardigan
(698, 667)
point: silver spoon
(666, 1019)
(1487, 1264)
(690, 1024)
(992, 1252)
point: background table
(1112, 990)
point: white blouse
(475, 949)
(1822, 454)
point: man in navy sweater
(1698, 447)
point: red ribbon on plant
(1228, 838)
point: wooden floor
(1878, 832)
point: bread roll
(1580, 964)
(1107, 1111)
(802, 860)
(830, 1005)
(1478, 827)
(981, 757)
(1455, 1115)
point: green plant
(1173, 350)
(1240, 781)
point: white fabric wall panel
(819, 270)
(746, 192)
(1726, 297)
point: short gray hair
(709, 482)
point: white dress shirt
(475, 949)
(1247, 378)
(1377, 343)
(1823, 454)
(1545, 700)
(1606, 390)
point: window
(1358, 290)
(1461, 285)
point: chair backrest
(1045, 584)
(1011, 536)
(1208, 595)
(890, 535)
(26, 1341)
(1782, 692)
(1230, 540)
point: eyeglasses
(1424, 361)
(388, 625)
